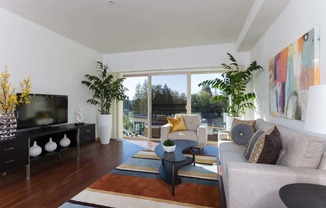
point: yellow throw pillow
(177, 124)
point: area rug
(136, 183)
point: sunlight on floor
(143, 143)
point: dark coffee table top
(177, 155)
(303, 195)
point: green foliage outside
(201, 102)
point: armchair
(196, 130)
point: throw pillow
(322, 164)
(303, 152)
(249, 122)
(267, 148)
(251, 144)
(241, 133)
(177, 123)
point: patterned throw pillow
(241, 133)
(251, 144)
(267, 147)
(177, 123)
(249, 122)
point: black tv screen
(43, 110)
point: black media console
(15, 152)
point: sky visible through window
(174, 82)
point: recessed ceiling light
(111, 3)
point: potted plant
(233, 86)
(169, 145)
(105, 90)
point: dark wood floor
(52, 182)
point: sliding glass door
(152, 98)
(168, 98)
(201, 103)
(135, 107)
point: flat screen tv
(43, 111)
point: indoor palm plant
(233, 86)
(105, 90)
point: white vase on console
(65, 141)
(35, 150)
(50, 146)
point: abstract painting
(291, 72)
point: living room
(57, 64)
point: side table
(223, 135)
(173, 161)
(302, 195)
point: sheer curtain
(117, 114)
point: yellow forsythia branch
(8, 98)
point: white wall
(188, 57)
(55, 64)
(299, 17)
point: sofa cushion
(251, 144)
(189, 135)
(229, 152)
(267, 147)
(322, 164)
(177, 123)
(192, 121)
(302, 152)
(241, 133)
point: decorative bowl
(169, 148)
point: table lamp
(315, 118)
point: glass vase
(8, 126)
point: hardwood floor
(52, 182)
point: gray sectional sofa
(301, 160)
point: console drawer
(12, 147)
(13, 161)
(87, 134)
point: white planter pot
(105, 128)
(169, 148)
(229, 121)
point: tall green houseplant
(233, 86)
(105, 89)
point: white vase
(229, 121)
(50, 146)
(169, 148)
(105, 128)
(35, 150)
(65, 141)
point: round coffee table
(173, 161)
(303, 195)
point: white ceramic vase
(169, 148)
(229, 121)
(105, 128)
(50, 146)
(65, 141)
(35, 150)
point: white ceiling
(136, 25)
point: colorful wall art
(291, 72)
